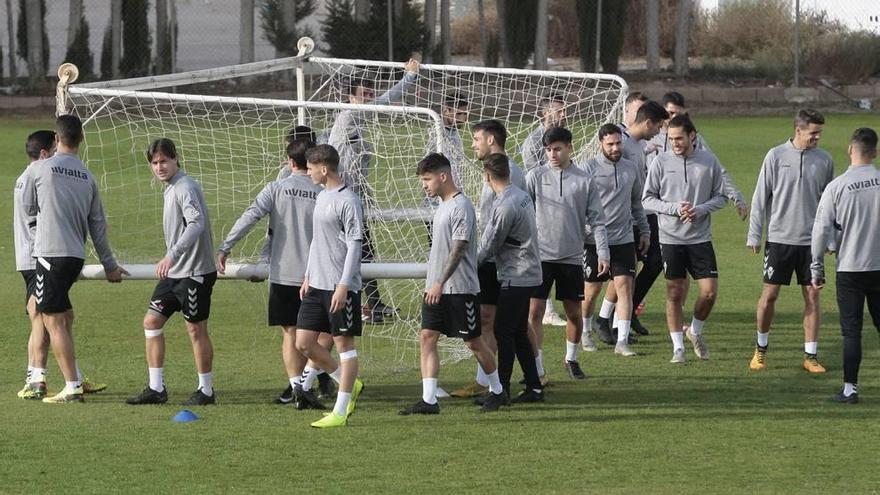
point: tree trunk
(446, 30)
(34, 18)
(288, 22)
(246, 32)
(362, 10)
(682, 23)
(116, 36)
(503, 43)
(484, 34)
(541, 37)
(172, 20)
(430, 31)
(653, 36)
(74, 21)
(10, 26)
(161, 36)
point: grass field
(634, 426)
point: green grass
(639, 425)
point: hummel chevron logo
(156, 305)
(349, 315)
(770, 271)
(192, 291)
(588, 271)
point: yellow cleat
(90, 387)
(66, 396)
(812, 364)
(472, 390)
(759, 359)
(355, 393)
(331, 420)
(33, 390)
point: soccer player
(552, 115)
(791, 181)
(289, 203)
(301, 133)
(331, 286)
(511, 237)
(489, 138)
(619, 183)
(633, 103)
(454, 114)
(62, 195)
(347, 136)
(849, 217)
(451, 298)
(684, 187)
(186, 278)
(565, 200)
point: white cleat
(623, 349)
(552, 318)
(678, 357)
(700, 348)
(587, 343)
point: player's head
(557, 146)
(611, 141)
(553, 110)
(633, 102)
(296, 152)
(497, 168)
(162, 155)
(648, 120)
(808, 125)
(454, 110)
(863, 146)
(435, 173)
(301, 132)
(673, 102)
(68, 130)
(360, 91)
(681, 133)
(489, 137)
(40, 145)
(322, 162)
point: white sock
(763, 339)
(296, 380)
(336, 375)
(309, 376)
(548, 307)
(206, 383)
(429, 390)
(157, 378)
(623, 330)
(677, 340)
(30, 371)
(607, 309)
(588, 324)
(494, 383)
(38, 375)
(571, 351)
(697, 326)
(850, 388)
(811, 347)
(342, 400)
(539, 362)
(79, 373)
(72, 385)
(614, 321)
(482, 379)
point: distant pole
(172, 19)
(541, 37)
(390, 31)
(10, 24)
(115, 36)
(797, 43)
(246, 32)
(598, 33)
(653, 36)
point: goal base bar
(235, 271)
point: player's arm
(822, 235)
(734, 194)
(651, 195)
(352, 222)
(194, 218)
(596, 221)
(531, 150)
(395, 94)
(261, 207)
(760, 200)
(532, 185)
(717, 200)
(640, 218)
(98, 232)
(459, 247)
(497, 229)
(29, 194)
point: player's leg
(55, 277)
(534, 383)
(489, 288)
(765, 313)
(574, 330)
(38, 353)
(344, 327)
(652, 266)
(675, 262)
(588, 308)
(703, 267)
(851, 306)
(203, 354)
(812, 322)
(624, 287)
(536, 325)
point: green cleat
(331, 420)
(66, 396)
(355, 393)
(33, 390)
(90, 387)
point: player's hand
(221, 263)
(651, 147)
(432, 297)
(686, 212)
(163, 267)
(304, 290)
(754, 249)
(115, 276)
(603, 267)
(817, 283)
(644, 243)
(337, 302)
(742, 210)
(412, 65)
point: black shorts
(489, 285)
(191, 296)
(569, 282)
(283, 305)
(315, 315)
(623, 262)
(696, 259)
(456, 315)
(30, 284)
(53, 279)
(780, 260)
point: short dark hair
(355, 81)
(164, 146)
(68, 128)
(807, 116)
(498, 166)
(494, 128)
(556, 134)
(301, 132)
(296, 151)
(324, 154)
(635, 96)
(551, 97)
(673, 97)
(607, 130)
(652, 111)
(433, 163)
(37, 142)
(865, 140)
(682, 120)
(455, 100)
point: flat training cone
(185, 416)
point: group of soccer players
(648, 195)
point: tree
(541, 36)
(653, 36)
(78, 51)
(611, 42)
(445, 31)
(517, 23)
(274, 18)
(13, 72)
(348, 37)
(430, 31)
(135, 39)
(682, 24)
(33, 42)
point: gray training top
(566, 201)
(787, 194)
(512, 238)
(672, 179)
(454, 220)
(850, 209)
(63, 195)
(290, 204)
(23, 227)
(337, 233)
(620, 185)
(532, 149)
(487, 195)
(187, 228)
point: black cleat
(286, 397)
(528, 396)
(306, 399)
(326, 388)
(493, 402)
(421, 407)
(148, 396)
(387, 311)
(638, 328)
(197, 398)
(852, 398)
(604, 331)
(574, 370)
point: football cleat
(355, 393)
(90, 387)
(421, 407)
(472, 390)
(198, 398)
(33, 390)
(149, 396)
(331, 420)
(66, 396)
(759, 359)
(811, 364)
